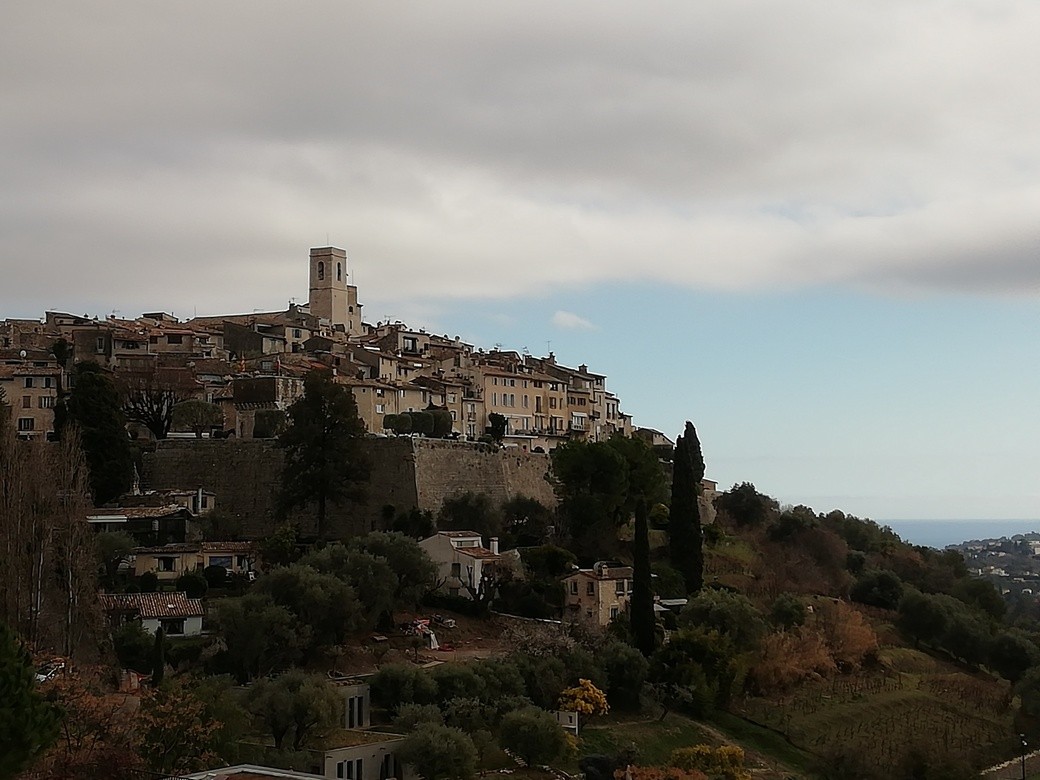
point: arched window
(339, 272)
(321, 271)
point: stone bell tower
(331, 298)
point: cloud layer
(187, 155)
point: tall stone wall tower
(331, 298)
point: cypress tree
(644, 634)
(158, 658)
(684, 518)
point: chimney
(494, 545)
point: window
(356, 712)
(29, 381)
(456, 570)
(590, 589)
(46, 401)
(174, 338)
(574, 587)
(220, 560)
(454, 416)
(339, 272)
(296, 333)
(48, 381)
(380, 392)
(242, 561)
(100, 344)
(619, 587)
(26, 424)
(494, 399)
(166, 564)
(613, 612)
(172, 626)
(380, 408)
(27, 402)
(525, 401)
(321, 271)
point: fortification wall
(450, 468)
(405, 473)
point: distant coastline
(940, 533)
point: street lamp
(1024, 745)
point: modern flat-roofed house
(362, 755)
(597, 595)
(463, 562)
(251, 772)
(174, 613)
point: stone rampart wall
(406, 473)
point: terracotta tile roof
(459, 534)
(477, 552)
(150, 606)
(614, 573)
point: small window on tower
(339, 272)
(321, 271)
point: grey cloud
(722, 145)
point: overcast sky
(809, 226)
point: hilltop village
(296, 545)
(248, 363)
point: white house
(175, 613)
(462, 560)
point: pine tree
(93, 405)
(323, 458)
(684, 519)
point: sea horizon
(942, 533)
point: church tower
(331, 298)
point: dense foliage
(324, 463)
